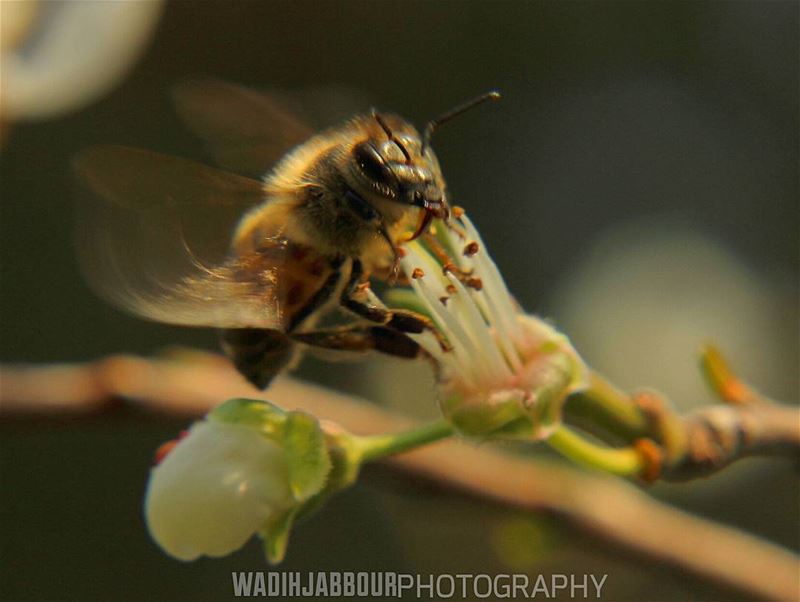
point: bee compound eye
(372, 165)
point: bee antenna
(390, 135)
(377, 116)
(462, 108)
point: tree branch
(190, 383)
(681, 447)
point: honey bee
(331, 214)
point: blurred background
(637, 184)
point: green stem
(380, 446)
(624, 461)
(602, 410)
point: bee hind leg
(258, 354)
(361, 337)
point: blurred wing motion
(154, 237)
(248, 131)
(245, 131)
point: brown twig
(711, 438)
(190, 383)
(679, 447)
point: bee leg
(321, 296)
(258, 354)
(360, 337)
(394, 270)
(402, 320)
(385, 273)
(261, 354)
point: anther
(417, 273)
(475, 283)
(471, 249)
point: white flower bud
(216, 488)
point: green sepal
(513, 416)
(480, 420)
(307, 455)
(276, 536)
(521, 428)
(255, 413)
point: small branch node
(652, 456)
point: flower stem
(625, 461)
(380, 446)
(602, 409)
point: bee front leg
(394, 269)
(385, 273)
(401, 320)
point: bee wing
(153, 239)
(248, 131)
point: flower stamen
(506, 369)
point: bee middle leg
(261, 354)
(401, 320)
(361, 337)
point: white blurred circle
(650, 293)
(59, 56)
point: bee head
(392, 164)
(396, 164)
